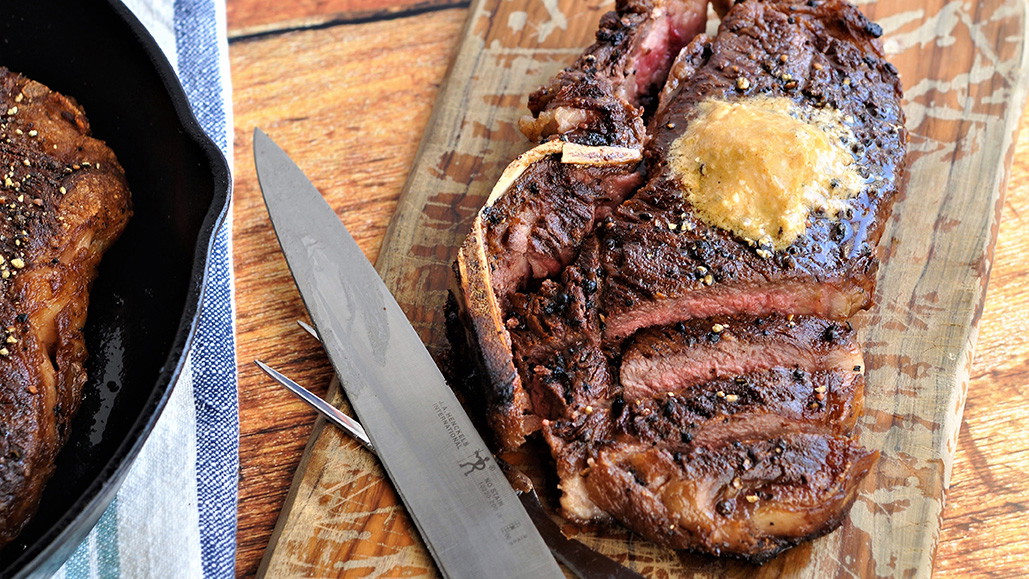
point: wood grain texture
(983, 532)
(258, 17)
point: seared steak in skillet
(667, 305)
(63, 202)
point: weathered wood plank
(984, 526)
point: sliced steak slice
(832, 398)
(665, 261)
(670, 359)
(749, 498)
(700, 403)
(711, 413)
(599, 99)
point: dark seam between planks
(355, 18)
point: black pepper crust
(556, 333)
(63, 201)
(591, 85)
(615, 82)
(819, 54)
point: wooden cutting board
(963, 66)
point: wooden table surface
(347, 87)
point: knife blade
(459, 499)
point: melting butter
(758, 167)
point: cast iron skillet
(143, 307)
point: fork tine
(333, 414)
(310, 329)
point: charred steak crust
(751, 499)
(601, 98)
(64, 200)
(696, 386)
(551, 197)
(663, 264)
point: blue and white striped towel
(175, 514)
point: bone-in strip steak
(660, 288)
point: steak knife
(455, 492)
